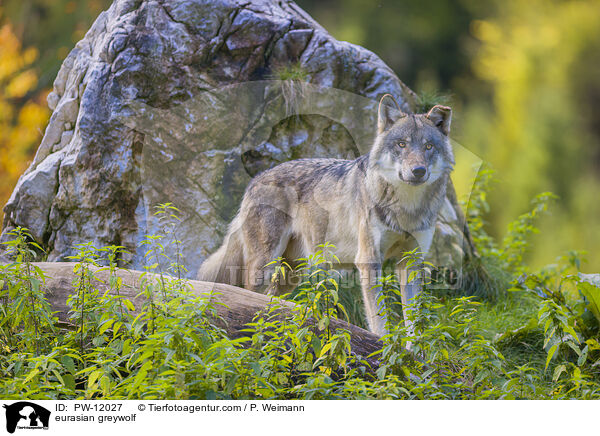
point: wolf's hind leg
(287, 282)
(266, 234)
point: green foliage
(426, 99)
(294, 72)
(510, 254)
(570, 337)
(173, 345)
(476, 210)
(515, 242)
(589, 286)
(489, 275)
(26, 310)
(318, 292)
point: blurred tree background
(35, 37)
(523, 77)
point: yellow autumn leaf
(21, 84)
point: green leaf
(589, 285)
(141, 375)
(550, 354)
(316, 345)
(116, 327)
(93, 377)
(343, 310)
(304, 367)
(68, 363)
(128, 304)
(583, 356)
(106, 325)
(256, 368)
(105, 385)
(558, 371)
(549, 336)
(594, 344)
(510, 384)
(574, 347)
(231, 383)
(98, 340)
(126, 347)
(69, 381)
(31, 375)
(58, 377)
(35, 283)
(325, 349)
(323, 323)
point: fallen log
(236, 306)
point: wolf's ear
(387, 115)
(441, 117)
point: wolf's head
(412, 149)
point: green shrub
(538, 341)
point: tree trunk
(236, 306)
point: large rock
(184, 101)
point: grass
(293, 71)
(426, 99)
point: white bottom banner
(155, 417)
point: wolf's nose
(419, 172)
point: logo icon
(26, 415)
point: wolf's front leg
(410, 287)
(368, 263)
(369, 273)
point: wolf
(370, 208)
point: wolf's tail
(225, 265)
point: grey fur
(365, 207)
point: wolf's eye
(428, 146)
(402, 144)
